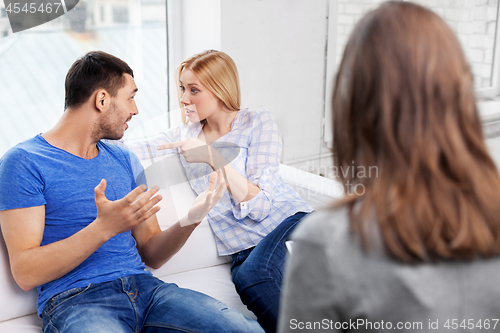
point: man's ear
(102, 100)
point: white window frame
(493, 91)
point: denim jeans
(140, 303)
(257, 273)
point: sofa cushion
(198, 252)
(26, 324)
(316, 190)
(213, 281)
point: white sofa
(196, 266)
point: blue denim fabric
(257, 273)
(140, 303)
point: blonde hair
(217, 72)
(404, 102)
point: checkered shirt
(238, 226)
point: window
(4, 21)
(476, 25)
(474, 22)
(34, 64)
(120, 15)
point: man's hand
(206, 200)
(122, 215)
(156, 247)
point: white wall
(279, 47)
(194, 26)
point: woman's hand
(194, 150)
(197, 151)
(207, 200)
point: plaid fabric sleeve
(146, 148)
(262, 166)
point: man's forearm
(162, 246)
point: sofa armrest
(316, 190)
(14, 302)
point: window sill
(489, 112)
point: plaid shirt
(238, 226)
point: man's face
(114, 123)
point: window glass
(34, 63)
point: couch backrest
(316, 190)
(200, 250)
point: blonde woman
(258, 213)
(419, 250)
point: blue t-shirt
(35, 173)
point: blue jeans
(257, 273)
(140, 303)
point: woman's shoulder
(256, 115)
(324, 226)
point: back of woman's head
(218, 73)
(404, 104)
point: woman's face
(199, 103)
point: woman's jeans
(140, 303)
(258, 271)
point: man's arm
(156, 247)
(33, 265)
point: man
(78, 227)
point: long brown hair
(404, 103)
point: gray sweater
(332, 284)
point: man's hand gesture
(122, 215)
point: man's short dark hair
(95, 70)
